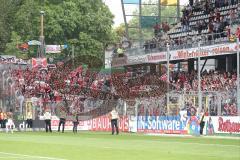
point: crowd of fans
(206, 20)
(213, 84)
(62, 84)
(80, 87)
(216, 21)
(210, 81)
(145, 86)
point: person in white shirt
(114, 120)
(10, 124)
(47, 117)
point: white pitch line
(24, 155)
(208, 144)
(12, 157)
(108, 147)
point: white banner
(157, 57)
(137, 59)
(55, 48)
(34, 43)
(207, 51)
(222, 124)
(213, 50)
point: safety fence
(214, 103)
(181, 124)
(145, 115)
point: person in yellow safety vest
(4, 119)
(120, 51)
(29, 117)
(1, 118)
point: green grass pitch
(103, 146)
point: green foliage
(12, 46)
(27, 19)
(87, 22)
(7, 12)
(118, 33)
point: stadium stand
(212, 22)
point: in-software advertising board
(168, 124)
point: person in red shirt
(157, 29)
(228, 29)
(234, 77)
(206, 112)
(238, 33)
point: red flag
(164, 77)
(36, 62)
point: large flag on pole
(149, 21)
(168, 2)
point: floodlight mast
(238, 80)
(41, 38)
(168, 77)
(199, 79)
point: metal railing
(154, 47)
(215, 103)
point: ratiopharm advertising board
(222, 125)
(168, 124)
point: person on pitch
(29, 117)
(62, 121)
(5, 119)
(1, 117)
(75, 123)
(114, 120)
(9, 124)
(47, 117)
(202, 121)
